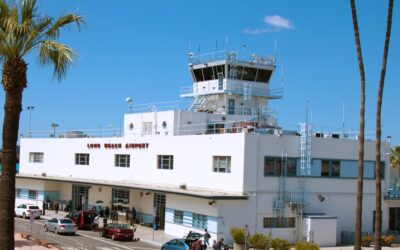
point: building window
(291, 167)
(120, 198)
(147, 128)
(165, 162)
(81, 159)
(32, 194)
(122, 161)
(199, 221)
(330, 168)
(36, 157)
(279, 222)
(178, 217)
(273, 166)
(222, 164)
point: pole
(30, 109)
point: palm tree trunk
(378, 171)
(14, 81)
(360, 181)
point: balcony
(393, 192)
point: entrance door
(394, 218)
(231, 106)
(80, 197)
(159, 204)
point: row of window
(221, 164)
(198, 220)
(273, 166)
(32, 194)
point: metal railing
(231, 56)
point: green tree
(23, 30)
(360, 181)
(378, 170)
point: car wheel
(113, 237)
(45, 228)
(162, 248)
(24, 215)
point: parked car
(175, 244)
(83, 219)
(25, 210)
(194, 237)
(118, 231)
(61, 225)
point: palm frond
(28, 10)
(63, 21)
(35, 36)
(57, 54)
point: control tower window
(249, 74)
(198, 73)
(263, 75)
(208, 74)
(218, 70)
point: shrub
(301, 245)
(237, 235)
(366, 240)
(388, 240)
(259, 241)
(280, 244)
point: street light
(30, 109)
(54, 126)
(129, 101)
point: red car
(118, 231)
(83, 219)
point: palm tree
(360, 181)
(395, 157)
(378, 170)
(22, 31)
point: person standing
(44, 208)
(107, 212)
(56, 207)
(133, 215)
(207, 237)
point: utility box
(320, 229)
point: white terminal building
(223, 162)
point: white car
(25, 211)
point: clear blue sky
(139, 49)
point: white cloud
(278, 22)
(274, 24)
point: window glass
(199, 221)
(263, 75)
(32, 194)
(81, 159)
(269, 167)
(165, 162)
(36, 157)
(325, 168)
(198, 74)
(178, 217)
(249, 74)
(122, 161)
(335, 168)
(222, 164)
(208, 74)
(291, 167)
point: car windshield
(65, 221)
(123, 226)
(33, 207)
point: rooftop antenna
(276, 46)
(343, 109)
(282, 74)
(190, 46)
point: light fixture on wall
(321, 198)
(147, 193)
(211, 202)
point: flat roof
(172, 189)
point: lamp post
(54, 126)
(30, 109)
(129, 101)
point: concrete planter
(237, 246)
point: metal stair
(198, 103)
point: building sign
(118, 145)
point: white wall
(321, 230)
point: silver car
(61, 225)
